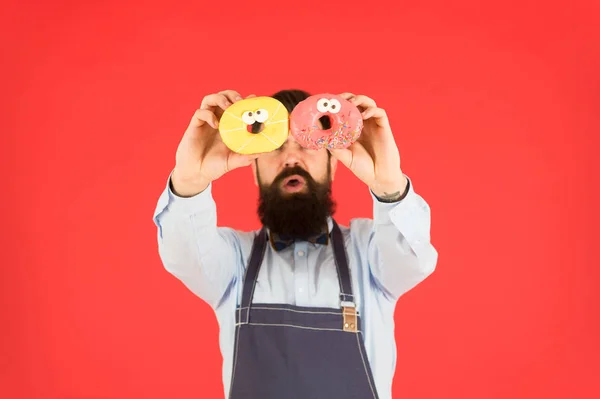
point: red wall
(496, 112)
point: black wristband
(404, 194)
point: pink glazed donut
(346, 122)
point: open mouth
(326, 121)
(255, 127)
(294, 183)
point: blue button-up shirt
(387, 255)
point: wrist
(392, 191)
(187, 187)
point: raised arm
(192, 247)
(398, 238)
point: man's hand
(374, 158)
(201, 156)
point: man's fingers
(219, 102)
(222, 100)
(236, 160)
(203, 116)
(363, 101)
(369, 112)
(356, 158)
(214, 101)
(347, 96)
(377, 113)
(344, 155)
(381, 119)
(232, 95)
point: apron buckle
(349, 314)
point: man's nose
(291, 160)
(291, 156)
(292, 152)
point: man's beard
(298, 215)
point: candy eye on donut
(329, 105)
(261, 115)
(323, 105)
(334, 106)
(248, 117)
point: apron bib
(285, 352)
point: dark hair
(291, 97)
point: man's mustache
(295, 170)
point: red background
(495, 109)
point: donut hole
(326, 122)
(256, 127)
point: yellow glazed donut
(254, 125)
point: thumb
(344, 155)
(240, 160)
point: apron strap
(341, 263)
(343, 272)
(256, 257)
(348, 304)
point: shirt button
(300, 289)
(300, 253)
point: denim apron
(291, 352)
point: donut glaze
(346, 122)
(254, 125)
